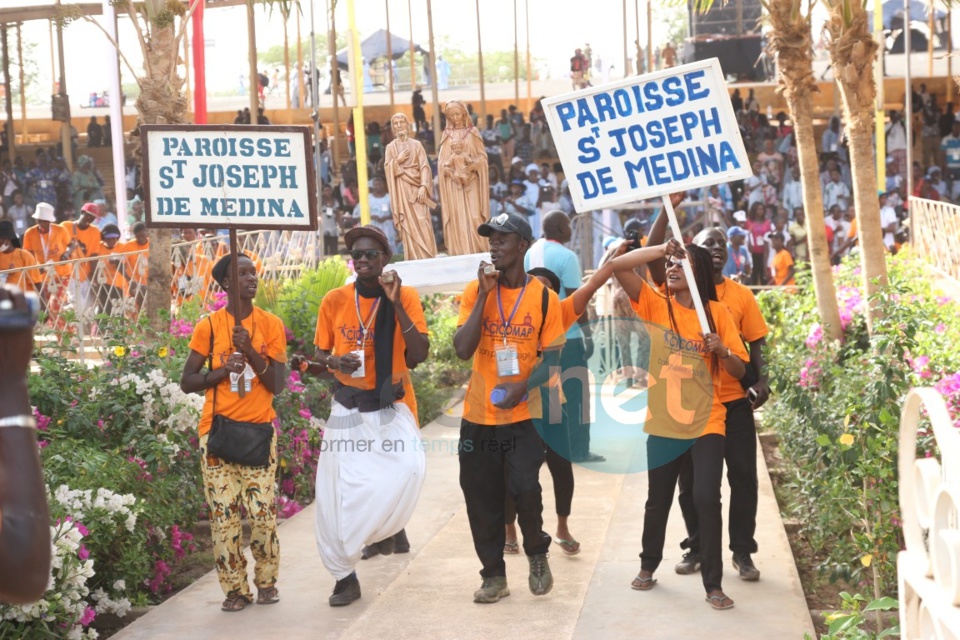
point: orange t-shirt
(25, 279)
(528, 333)
(745, 311)
(683, 398)
(267, 336)
(568, 315)
(193, 276)
(781, 268)
(135, 256)
(90, 237)
(105, 271)
(48, 247)
(338, 329)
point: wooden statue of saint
(410, 183)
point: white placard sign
(647, 136)
(224, 176)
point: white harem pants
(370, 472)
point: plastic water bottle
(499, 393)
(233, 385)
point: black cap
(507, 223)
(7, 232)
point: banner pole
(687, 267)
(235, 298)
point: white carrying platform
(445, 274)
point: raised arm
(658, 231)
(624, 265)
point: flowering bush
(63, 612)
(836, 409)
(119, 448)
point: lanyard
(516, 305)
(737, 261)
(365, 326)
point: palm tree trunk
(853, 52)
(790, 42)
(161, 101)
(801, 112)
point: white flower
(119, 585)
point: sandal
(720, 602)
(236, 603)
(570, 547)
(511, 548)
(270, 595)
(643, 584)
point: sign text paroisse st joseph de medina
(237, 177)
(647, 136)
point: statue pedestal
(446, 274)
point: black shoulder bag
(246, 443)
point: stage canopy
(375, 47)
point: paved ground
(427, 593)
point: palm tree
(790, 42)
(853, 54)
(160, 26)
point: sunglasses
(370, 254)
(501, 219)
(670, 263)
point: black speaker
(733, 18)
(739, 56)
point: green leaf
(883, 604)
(823, 440)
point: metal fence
(81, 298)
(936, 234)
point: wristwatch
(728, 354)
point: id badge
(508, 364)
(361, 371)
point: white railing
(936, 234)
(929, 567)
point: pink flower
(940, 328)
(810, 374)
(83, 530)
(88, 616)
(816, 335)
(83, 553)
(306, 414)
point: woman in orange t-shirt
(673, 427)
(253, 354)
(370, 333)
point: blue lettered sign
(229, 177)
(647, 136)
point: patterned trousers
(228, 486)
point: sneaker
(541, 580)
(369, 551)
(400, 542)
(345, 591)
(744, 564)
(689, 564)
(491, 590)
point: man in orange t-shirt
(782, 263)
(740, 445)
(108, 281)
(13, 257)
(84, 240)
(370, 333)
(506, 319)
(136, 256)
(48, 242)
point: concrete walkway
(427, 593)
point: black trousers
(494, 462)
(577, 395)
(740, 452)
(561, 470)
(706, 456)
